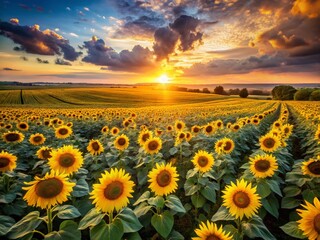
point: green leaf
(290, 202)
(133, 236)
(274, 185)
(6, 223)
(129, 221)
(256, 229)
(309, 194)
(68, 231)
(271, 205)
(190, 187)
(142, 209)
(26, 225)
(291, 191)
(191, 173)
(209, 193)
(81, 189)
(91, 219)
(67, 212)
(292, 229)
(263, 189)
(198, 200)
(174, 203)
(110, 231)
(144, 197)
(222, 215)
(174, 235)
(233, 232)
(163, 223)
(157, 201)
(173, 151)
(7, 198)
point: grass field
(184, 155)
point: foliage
(284, 92)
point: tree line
(287, 92)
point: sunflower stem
(49, 223)
(110, 217)
(36, 231)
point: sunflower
(228, 145)
(277, 124)
(23, 126)
(179, 125)
(63, 132)
(114, 131)
(52, 189)
(286, 130)
(144, 135)
(95, 147)
(208, 129)
(121, 142)
(276, 132)
(241, 199)
(66, 159)
(235, 127)
(37, 139)
(169, 128)
(105, 130)
(203, 161)
(179, 138)
(44, 153)
(269, 143)
(188, 136)
(113, 191)
(218, 146)
(219, 124)
(195, 129)
(310, 219)
(210, 231)
(163, 179)
(263, 166)
(153, 145)
(13, 137)
(7, 161)
(311, 167)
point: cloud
(9, 69)
(182, 33)
(272, 63)
(137, 60)
(42, 61)
(60, 61)
(74, 35)
(33, 40)
(68, 8)
(87, 9)
(309, 8)
(14, 21)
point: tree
(244, 93)
(284, 92)
(205, 90)
(315, 95)
(219, 90)
(235, 91)
(303, 94)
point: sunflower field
(225, 170)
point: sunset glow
(163, 79)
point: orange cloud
(309, 8)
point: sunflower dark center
(219, 124)
(66, 160)
(63, 131)
(12, 137)
(269, 142)
(314, 168)
(23, 125)
(196, 130)
(145, 137)
(286, 130)
(209, 129)
(212, 237)
(316, 223)
(227, 146)
(46, 154)
(203, 161)
(179, 125)
(236, 127)
(49, 188)
(126, 124)
(164, 178)
(4, 162)
(182, 135)
(153, 145)
(114, 190)
(115, 131)
(262, 165)
(241, 199)
(220, 144)
(37, 139)
(95, 146)
(121, 141)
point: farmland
(144, 163)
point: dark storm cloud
(182, 32)
(60, 61)
(137, 60)
(272, 63)
(143, 26)
(39, 60)
(32, 40)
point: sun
(163, 78)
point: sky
(180, 41)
